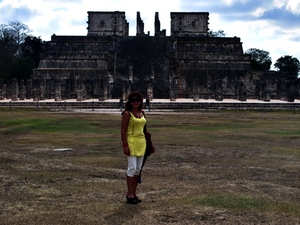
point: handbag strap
(145, 127)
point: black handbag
(149, 146)
(149, 150)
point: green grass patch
(241, 203)
(285, 150)
(95, 160)
(46, 175)
(41, 122)
(233, 202)
(70, 125)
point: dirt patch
(210, 175)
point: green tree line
(20, 52)
(288, 66)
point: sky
(269, 25)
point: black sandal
(131, 200)
(138, 199)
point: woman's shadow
(123, 214)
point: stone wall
(251, 86)
(191, 24)
(107, 63)
(107, 24)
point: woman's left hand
(126, 151)
(153, 149)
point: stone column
(72, 88)
(29, 89)
(22, 91)
(52, 88)
(110, 87)
(36, 90)
(128, 91)
(63, 84)
(101, 89)
(14, 89)
(79, 90)
(291, 93)
(196, 90)
(150, 90)
(89, 89)
(282, 89)
(8, 90)
(124, 92)
(242, 92)
(105, 88)
(267, 96)
(130, 80)
(48, 89)
(219, 90)
(103, 85)
(173, 89)
(84, 91)
(41, 88)
(261, 89)
(1, 89)
(57, 90)
(69, 89)
(150, 84)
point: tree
(22, 68)
(260, 59)
(28, 59)
(288, 66)
(8, 49)
(32, 48)
(19, 52)
(219, 33)
(18, 31)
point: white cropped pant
(134, 165)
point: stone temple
(108, 63)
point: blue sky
(270, 25)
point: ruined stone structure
(108, 63)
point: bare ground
(220, 181)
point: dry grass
(209, 168)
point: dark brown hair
(132, 95)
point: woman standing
(134, 142)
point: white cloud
(256, 22)
(294, 6)
(228, 2)
(258, 12)
(66, 14)
(290, 5)
(231, 2)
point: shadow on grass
(124, 213)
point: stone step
(64, 105)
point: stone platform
(156, 104)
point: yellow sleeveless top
(135, 135)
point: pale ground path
(155, 111)
(183, 100)
(179, 100)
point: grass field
(219, 167)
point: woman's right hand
(126, 151)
